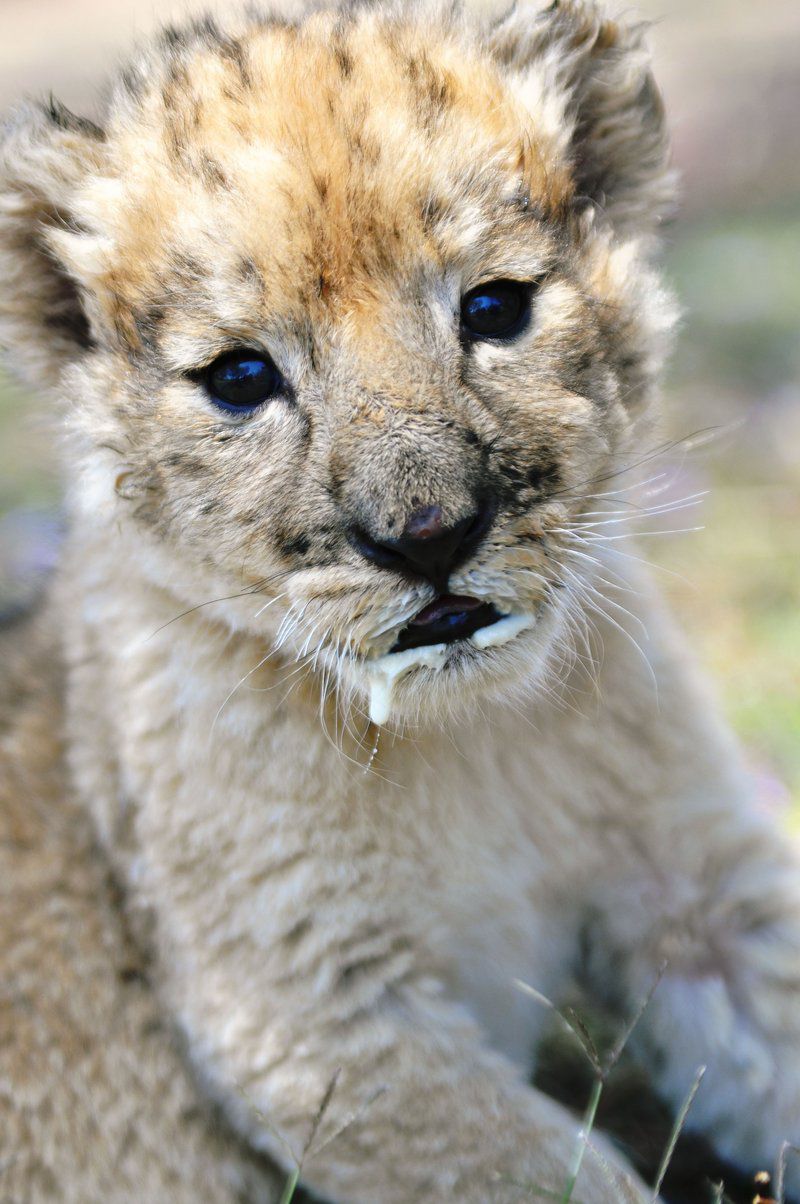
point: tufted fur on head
(584, 78)
(227, 203)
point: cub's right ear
(46, 154)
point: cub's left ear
(46, 154)
(586, 80)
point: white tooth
(502, 631)
(385, 670)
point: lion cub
(335, 727)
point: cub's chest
(487, 903)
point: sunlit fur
(319, 902)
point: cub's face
(355, 324)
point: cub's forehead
(316, 158)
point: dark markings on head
(339, 48)
(148, 323)
(122, 322)
(513, 483)
(432, 210)
(365, 147)
(205, 31)
(72, 323)
(177, 83)
(212, 172)
(248, 271)
(133, 82)
(65, 119)
(341, 53)
(172, 37)
(344, 61)
(234, 51)
(544, 476)
(186, 463)
(297, 545)
(188, 270)
(432, 89)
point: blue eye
(242, 380)
(498, 309)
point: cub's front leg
(421, 1108)
(719, 905)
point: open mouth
(449, 618)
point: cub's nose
(427, 548)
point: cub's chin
(450, 657)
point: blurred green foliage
(736, 367)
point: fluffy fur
(304, 909)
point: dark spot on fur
(62, 117)
(188, 271)
(71, 323)
(299, 930)
(235, 52)
(177, 82)
(133, 82)
(129, 974)
(431, 211)
(344, 61)
(365, 147)
(339, 48)
(248, 270)
(203, 30)
(297, 546)
(187, 464)
(433, 89)
(544, 476)
(172, 37)
(369, 963)
(470, 437)
(210, 506)
(335, 484)
(212, 172)
(148, 323)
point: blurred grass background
(729, 71)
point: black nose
(427, 548)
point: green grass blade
(588, 1125)
(291, 1187)
(680, 1121)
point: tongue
(448, 604)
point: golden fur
(283, 898)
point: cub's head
(353, 321)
